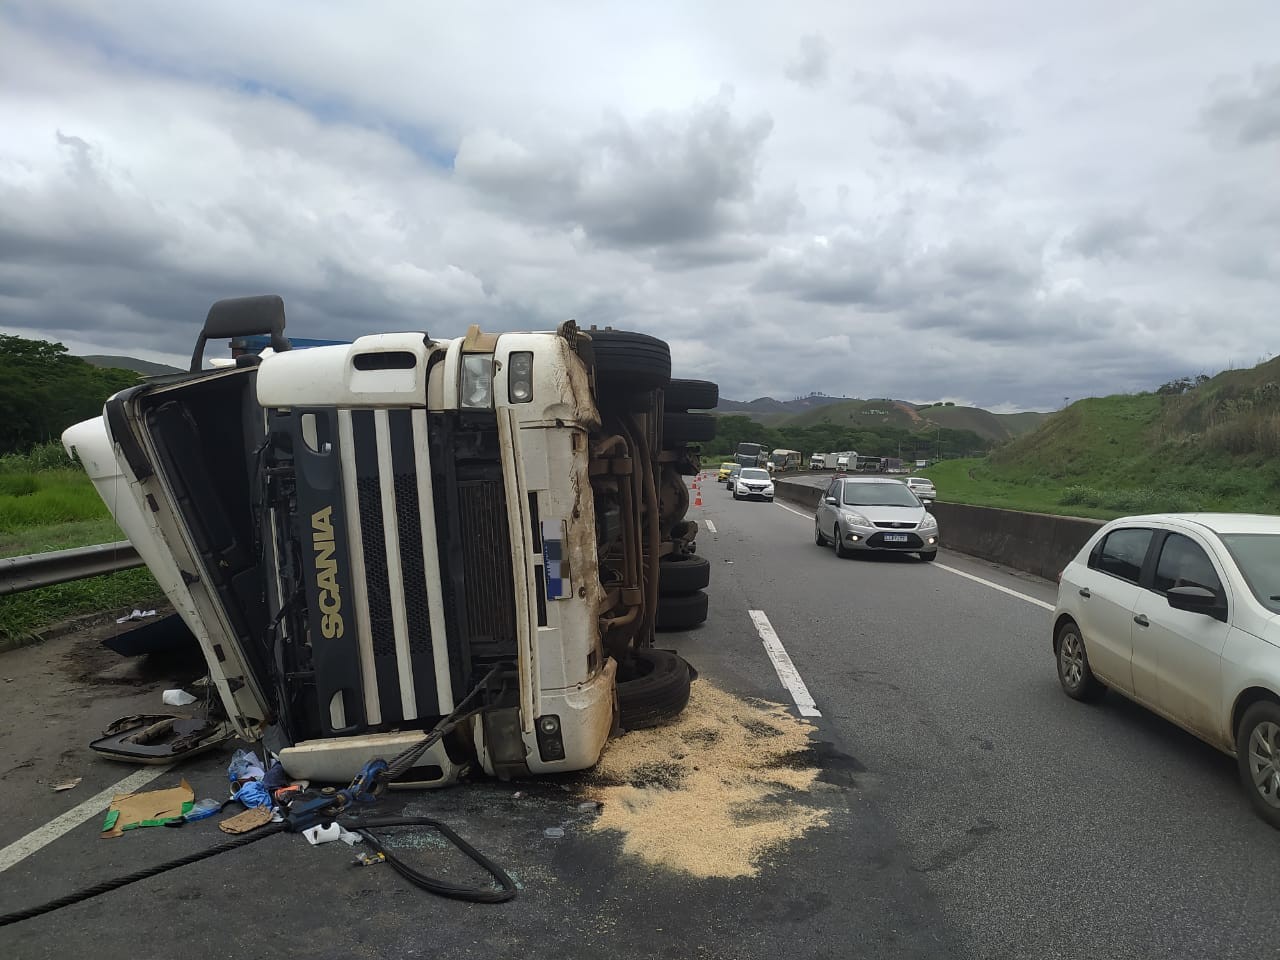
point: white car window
(1258, 557)
(1122, 553)
(754, 473)
(1183, 563)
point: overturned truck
(364, 537)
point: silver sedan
(874, 513)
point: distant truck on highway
(824, 461)
(751, 455)
(787, 461)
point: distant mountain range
(144, 367)
(819, 408)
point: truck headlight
(476, 390)
(520, 377)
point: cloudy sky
(1005, 203)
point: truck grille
(486, 561)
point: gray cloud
(811, 64)
(934, 114)
(1248, 117)
(667, 179)
(1113, 235)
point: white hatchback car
(1181, 613)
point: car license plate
(895, 538)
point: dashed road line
(786, 670)
(993, 586)
(19, 850)
(711, 527)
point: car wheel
(691, 395)
(735, 495)
(681, 613)
(818, 538)
(929, 556)
(835, 538)
(627, 362)
(653, 687)
(1258, 756)
(1078, 681)
(683, 574)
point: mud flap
(160, 738)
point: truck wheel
(653, 687)
(678, 574)
(681, 613)
(691, 395)
(629, 362)
(687, 428)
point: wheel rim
(1071, 658)
(1264, 762)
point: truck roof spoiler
(242, 317)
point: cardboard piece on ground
(251, 819)
(134, 809)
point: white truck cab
(357, 534)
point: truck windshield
(1258, 557)
(879, 495)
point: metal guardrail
(62, 566)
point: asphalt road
(975, 811)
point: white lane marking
(787, 671)
(993, 586)
(19, 850)
(803, 516)
(958, 573)
(711, 527)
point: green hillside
(859, 413)
(1205, 444)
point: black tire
(687, 428)
(1078, 681)
(1264, 719)
(841, 552)
(691, 395)
(629, 362)
(818, 538)
(678, 574)
(681, 613)
(929, 556)
(735, 495)
(653, 687)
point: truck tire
(653, 687)
(687, 428)
(691, 395)
(679, 574)
(629, 362)
(681, 613)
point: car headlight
(520, 377)
(856, 519)
(476, 390)
(928, 523)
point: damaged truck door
(358, 534)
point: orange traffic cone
(697, 501)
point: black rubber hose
(88, 893)
(453, 891)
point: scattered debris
(136, 615)
(205, 808)
(177, 698)
(68, 785)
(160, 738)
(368, 860)
(152, 808)
(589, 806)
(251, 819)
(553, 833)
(714, 792)
(327, 834)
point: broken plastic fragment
(178, 698)
(553, 833)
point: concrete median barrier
(1035, 543)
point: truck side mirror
(242, 317)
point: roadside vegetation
(1203, 443)
(48, 503)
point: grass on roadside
(48, 503)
